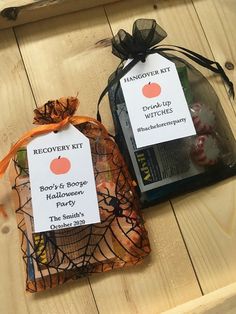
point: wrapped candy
(204, 118)
(205, 151)
(167, 168)
(120, 239)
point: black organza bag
(173, 167)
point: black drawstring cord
(126, 46)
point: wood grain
(16, 106)
(17, 12)
(212, 250)
(17, 98)
(16, 114)
(218, 21)
(71, 54)
(208, 222)
(16, 117)
(208, 217)
(66, 55)
(165, 280)
(180, 21)
(220, 301)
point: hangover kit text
(154, 98)
(146, 75)
(159, 108)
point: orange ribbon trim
(43, 129)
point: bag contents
(59, 255)
(169, 168)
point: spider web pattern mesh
(54, 257)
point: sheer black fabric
(199, 160)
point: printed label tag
(155, 102)
(62, 180)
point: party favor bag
(72, 247)
(169, 122)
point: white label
(62, 180)
(155, 102)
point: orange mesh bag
(54, 257)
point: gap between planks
(210, 48)
(36, 105)
(109, 26)
(27, 76)
(172, 207)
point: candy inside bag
(170, 168)
(54, 257)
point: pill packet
(54, 257)
(168, 169)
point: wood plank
(66, 55)
(17, 105)
(208, 219)
(220, 301)
(17, 97)
(12, 272)
(17, 12)
(69, 55)
(212, 248)
(17, 102)
(165, 280)
(218, 18)
(175, 18)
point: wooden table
(193, 236)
